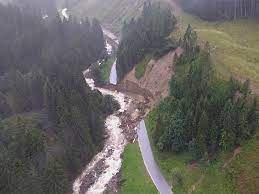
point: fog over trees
(51, 123)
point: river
(110, 156)
(114, 146)
(109, 159)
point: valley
(150, 100)
(218, 34)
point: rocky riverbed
(103, 171)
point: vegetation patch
(110, 12)
(106, 69)
(238, 177)
(243, 168)
(234, 45)
(101, 71)
(144, 35)
(196, 165)
(135, 178)
(51, 122)
(142, 66)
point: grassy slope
(235, 45)
(135, 178)
(245, 167)
(112, 13)
(141, 66)
(106, 69)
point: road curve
(148, 158)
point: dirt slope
(157, 75)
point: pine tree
(203, 128)
(246, 88)
(55, 178)
(228, 124)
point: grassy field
(141, 66)
(240, 176)
(135, 179)
(106, 69)
(234, 45)
(244, 169)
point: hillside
(112, 13)
(51, 122)
(232, 55)
(234, 52)
(234, 46)
(161, 68)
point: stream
(99, 173)
(109, 159)
(110, 156)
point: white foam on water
(111, 35)
(64, 13)
(108, 48)
(115, 142)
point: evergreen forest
(203, 115)
(51, 122)
(146, 34)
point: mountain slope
(110, 12)
(157, 75)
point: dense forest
(203, 115)
(222, 9)
(51, 123)
(146, 34)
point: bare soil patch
(157, 76)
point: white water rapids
(64, 13)
(115, 142)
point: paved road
(144, 144)
(152, 168)
(113, 74)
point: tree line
(203, 115)
(146, 34)
(51, 123)
(222, 9)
